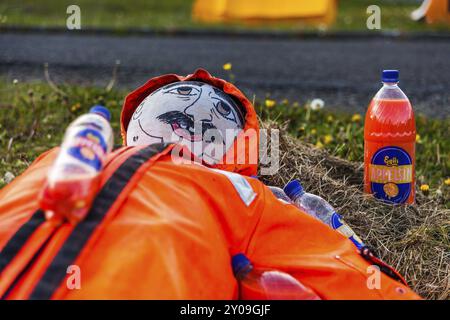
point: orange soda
(73, 181)
(389, 144)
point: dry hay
(413, 239)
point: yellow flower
(285, 101)
(75, 107)
(418, 138)
(270, 103)
(424, 187)
(313, 131)
(328, 138)
(296, 104)
(447, 182)
(227, 66)
(319, 144)
(330, 118)
(356, 117)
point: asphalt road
(343, 72)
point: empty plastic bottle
(74, 179)
(279, 193)
(264, 284)
(320, 209)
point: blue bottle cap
(101, 110)
(293, 189)
(239, 263)
(390, 76)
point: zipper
(27, 267)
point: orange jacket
(161, 229)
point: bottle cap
(101, 110)
(293, 189)
(390, 76)
(240, 262)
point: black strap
(56, 272)
(20, 238)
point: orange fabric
(173, 235)
(251, 127)
(19, 263)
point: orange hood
(251, 129)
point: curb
(238, 33)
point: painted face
(194, 114)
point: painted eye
(138, 111)
(184, 91)
(225, 110)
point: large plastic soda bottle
(73, 180)
(389, 144)
(319, 208)
(262, 284)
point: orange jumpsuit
(160, 229)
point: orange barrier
(433, 12)
(317, 11)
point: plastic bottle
(74, 179)
(389, 144)
(320, 209)
(262, 284)
(279, 193)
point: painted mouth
(184, 126)
(186, 132)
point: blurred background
(291, 49)
(349, 15)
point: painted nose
(200, 112)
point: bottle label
(391, 174)
(89, 147)
(340, 226)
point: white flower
(317, 104)
(9, 176)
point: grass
(169, 14)
(103, 13)
(395, 15)
(33, 117)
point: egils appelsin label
(391, 174)
(384, 174)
